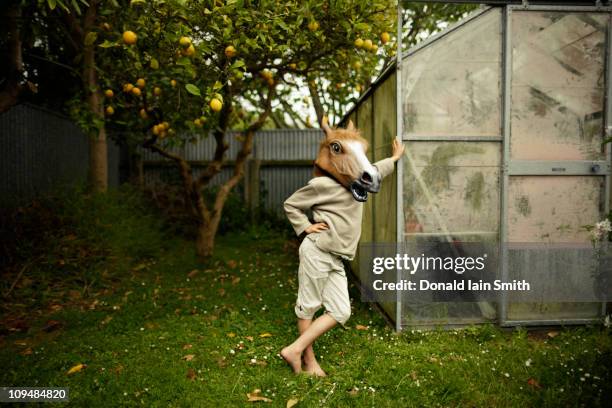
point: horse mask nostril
(366, 177)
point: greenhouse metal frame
(379, 113)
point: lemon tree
(184, 70)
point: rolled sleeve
(385, 166)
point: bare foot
(293, 358)
(313, 367)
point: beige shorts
(322, 282)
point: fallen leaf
(188, 357)
(353, 392)
(21, 342)
(361, 327)
(231, 334)
(235, 280)
(292, 402)
(256, 396)
(26, 352)
(192, 273)
(534, 383)
(107, 319)
(221, 292)
(187, 346)
(76, 368)
(232, 264)
(249, 338)
(265, 335)
(191, 374)
(553, 334)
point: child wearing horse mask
(343, 177)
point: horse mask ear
(350, 125)
(325, 126)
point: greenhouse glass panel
(451, 189)
(452, 86)
(539, 212)
(558, 84)
(450, 193)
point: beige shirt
(334, 205)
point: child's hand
(318, 227)
(398, 150)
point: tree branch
(316, 101)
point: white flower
(528, 363)
(601, 229)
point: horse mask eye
(336, 148)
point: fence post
(252, 186)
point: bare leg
(293, 352)
(310, 361)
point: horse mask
(342, 156)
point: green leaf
(217, 85)
(184, 61)
(52, 4)
(192, 89)
(108, 44)
(237, 64)
(75, 6)
(90, 38)
(154, 64)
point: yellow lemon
(189, 51)
(185, 42)
(216, 104)
(230, 51)
(129, 37)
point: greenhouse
(503, 116)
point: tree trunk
(11, 87)
(205, 242)
(98, 149)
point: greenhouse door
(556, 174)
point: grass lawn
(170, 331)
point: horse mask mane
(342, 156)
